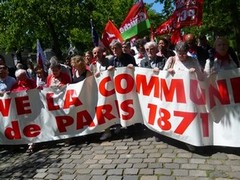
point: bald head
(190, 39)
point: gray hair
(53, 60)
(182, 46)
(150, 44)
(19, 72)
(115, 43)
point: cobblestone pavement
(139, 157)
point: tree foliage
(58, 23)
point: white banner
(178, 106)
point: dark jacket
(122, 61)
(158, 62)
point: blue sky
(157, 6)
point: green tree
(56, 23)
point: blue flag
(95, 37)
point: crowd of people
(193, 54)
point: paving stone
(111, 172)
(162, 171)
(114, 178)
(99, 177)
(51, 176)
(132, 171)
(198, 173)
(149, 178)
(40, 175)
(189, 166)
(146, 171)
(54, 170)
(66, 176)
(140, 165)
(171, 165)
(180, 172)
(167, 178)
(98, 172)
(130, 177)
(109, 166)
(129, 165)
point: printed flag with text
(135, 22)
(187, 13)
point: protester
(126, 47)
(30, 70)
(6, 81)
(141, 54)
(163, 50)
(88, 57)
(196, 51)
(183, 62)
(120, 59)
(153, 62)
(23, 81)
(64, 68)
(41, 77)
(80, 69)
(57, 78)
(221, 59)
(100, 64)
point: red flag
(110, 33)
(187, 13)
(176, 37)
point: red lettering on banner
(196, 95)
(71, 99)
(221, 93)
(63, 122)
(162, 120)
(119, 85)
(50, 102)
(104, 112)
(141, 84)
(5, 106)
(126, 107)
(177, 86)
(103, 87)
(13, 132)
(32, 130)
(235, 82)
(84, 115)
(152, 113)
(22, 105)
(188, 118)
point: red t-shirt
(61, 80)
(24, 85)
